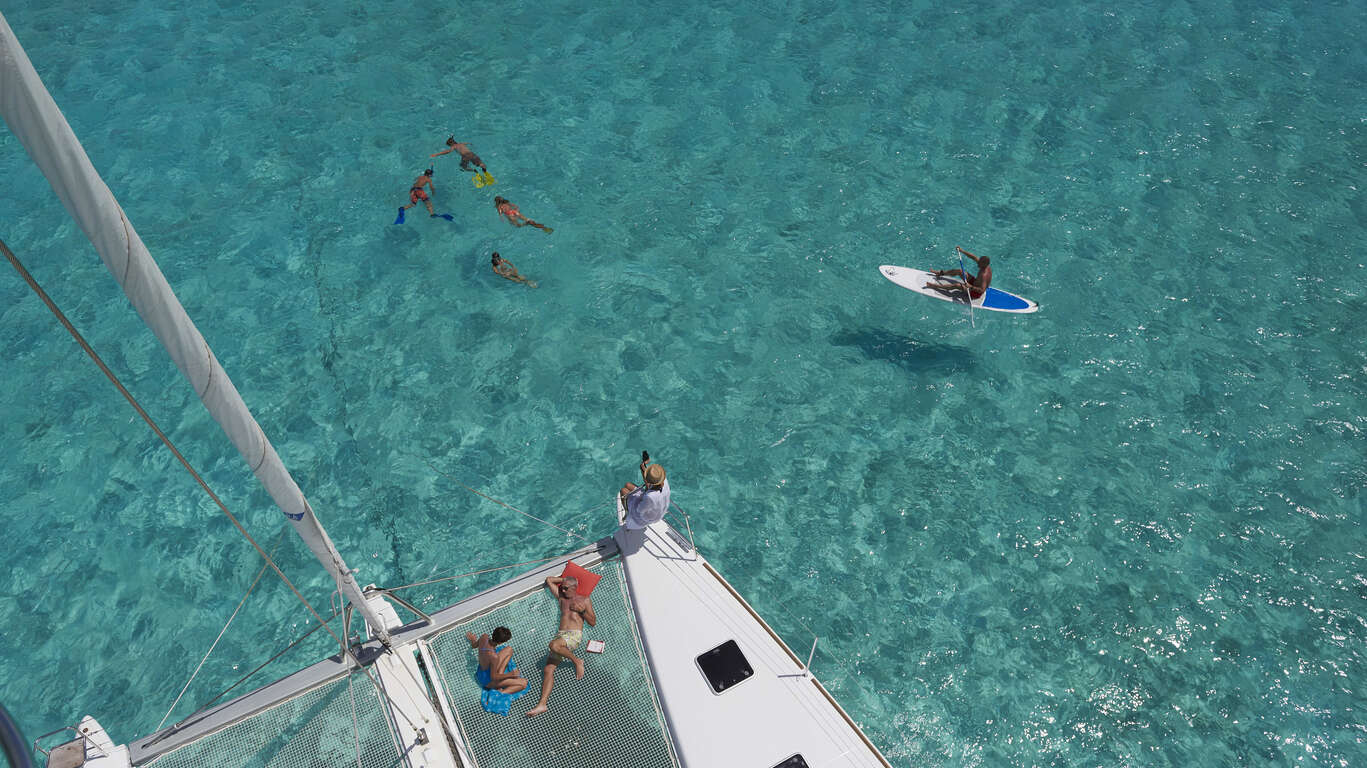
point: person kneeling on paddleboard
(977, 284)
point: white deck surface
(683, 609)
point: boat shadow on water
(908, 352)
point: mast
(41, 128)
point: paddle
(968, 290)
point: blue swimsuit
(496, 701)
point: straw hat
(655, 474)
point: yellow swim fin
(483, 179)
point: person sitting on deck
(646, 503)
(977, 284)
(643, 505)
(574, 611)
(493, 672)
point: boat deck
(775, 714)
(655, 594)
(609, 718)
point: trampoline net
(609, 719)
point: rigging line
(437, 574)
(383, 695)
(597, 507)
(851, 675)
(496, 501)
(474, 573)
(263, 665)
(146, 417)
(222, 632)
(151, 423)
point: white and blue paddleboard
(993, 299)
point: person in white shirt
(644, 504)
(647, 503)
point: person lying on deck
(574, 611)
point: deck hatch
(795, 761)
(725, 666)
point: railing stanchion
(688, 524)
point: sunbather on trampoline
(574, 611)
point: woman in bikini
(505, 269)
(493, 672)
(510, 212)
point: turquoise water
(1124, 531)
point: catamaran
(690, 674)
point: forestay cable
(502, 504)
(152, 424)
(222, 632)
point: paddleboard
(993, 299)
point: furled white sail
(35, 119)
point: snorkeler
(467, 156)
(417, 194)
(509, 211)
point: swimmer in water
(417, 194)
(467, 156)
(510, 212)
(505, 269)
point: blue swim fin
(446, 216)
(400, 219)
